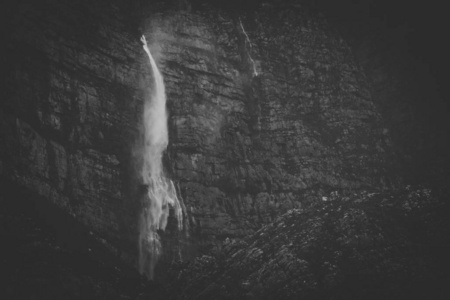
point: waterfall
(161, 192)
(255, 73)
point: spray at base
(161, 192)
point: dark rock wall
(243, 149)
(71, 99)
(246, 148)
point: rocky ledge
(365, 245)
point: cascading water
(255, 73)
(160, 190)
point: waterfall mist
(161, 191)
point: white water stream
(161, 192)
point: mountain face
(267, 112)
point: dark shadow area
(47, 254)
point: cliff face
(243, 148)
(71, 101)
(247, 147)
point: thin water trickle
(255, 73)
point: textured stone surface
(243, 149)
(389, 245)
(70, 109)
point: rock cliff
(244, 147)
(268, 112)
(71, 99)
